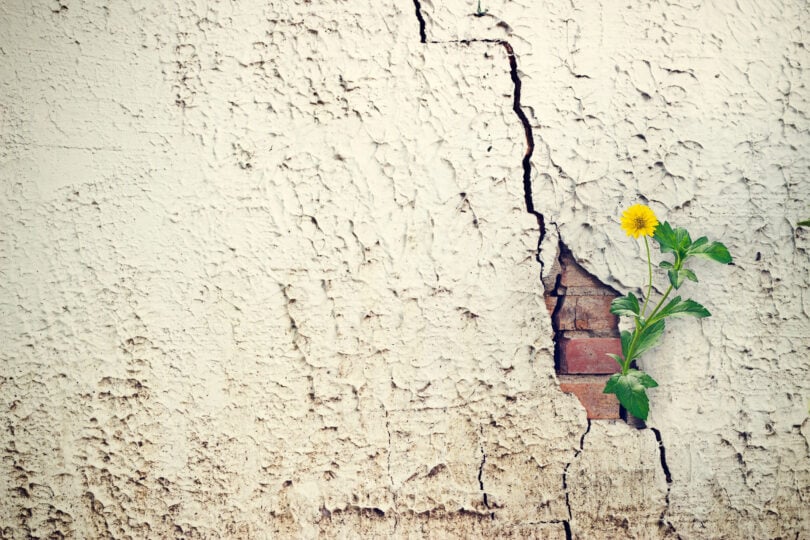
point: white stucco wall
(266, 269)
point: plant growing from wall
(630, 385)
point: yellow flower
(639, 220)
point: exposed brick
(577, 334)
(566, 316)
(593, 313)
(589, 355)
(585, 313)
(598, 406)
(573, 275)
(551, 303)
(589, 291)
(582, 322)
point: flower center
(639, 222)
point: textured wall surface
(269, 269)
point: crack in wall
(481, 472)
(518, 110)
(557, 308)
(567, 523)
(295, 337)
(541, 222)
(390, 475)
(662, 521)
(526, 163)
(421, 19)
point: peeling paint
(272, 270)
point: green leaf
(626, 306)
(667, 309)
(617, 358)
(682, 238)
(714, 251)
(672, 240)
(665, 264)
(697, 244)
(665, 237)
(645, 380)
(649, 337)
(691, 276)
(610, 385)
(627, 337)
(805, 223)
(630, 389)
(676, 277)
(678, 308)
(634, 399)
(690, 308)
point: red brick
(566, 316)
(573, 275)
(551, 303)
(589, 355)
(585, 313)
(598, 406)
(588, 291)
(593, 313)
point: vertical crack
(527, 157)
(421, 19)
(526, 162)
(567, 522)
(541, 222)
(567, 527)
(518, 110)
(527, 128)
(481, 475)
(555, 314)
(530, 208)
(481, 472)
(390, 475)
(662, 452)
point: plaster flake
(268, 269)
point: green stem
(677, 267)
(631, 348)
(649, 269)
(657, 307)
(641, 327)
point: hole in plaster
(584, 333)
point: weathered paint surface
(268, 271)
